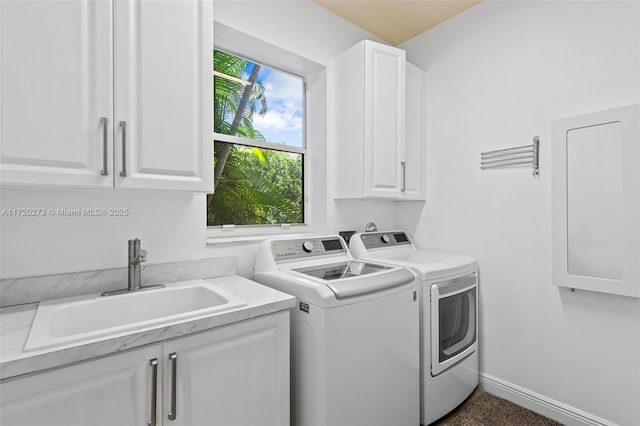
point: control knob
(307, 246)
(385, 238)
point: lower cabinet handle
(154, 392)
(174, 374)
(123, 126)
(404, 176)
(105, 141)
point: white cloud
(283, 119)
(278, 121)
(282, 87)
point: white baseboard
(548, 407)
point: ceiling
(396, 21)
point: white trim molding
(543, 405)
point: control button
(307, 246)
(385, 238)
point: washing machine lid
(342, 270)
(396, 248)
(429, 265)
(356, 278)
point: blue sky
(284, 93)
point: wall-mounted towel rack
(513, 157)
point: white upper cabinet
(164, 94)
(379, 128)
(369, 102)
(65, 63)
(384, 86)
(56, 79)
(415, 147)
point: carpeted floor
(484, 409)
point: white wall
(172, 226)
(497, 75)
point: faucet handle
(142, 255)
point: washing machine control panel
(384, 239)
(306, 247)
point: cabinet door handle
(174, 368)
(105, 141)
(123, 126)
(154, 392)
(404, 176)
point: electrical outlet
(346, 235)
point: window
(259, 144)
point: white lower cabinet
(232, 375)
(113, 390)
(236, 375)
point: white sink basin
(64, 321)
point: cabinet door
(164, 94)
(384, 81)
(232, 375)
(415, 135)
(56, 82)
(114, 390)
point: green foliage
(257, 186)
(255, 192)
(227, 94)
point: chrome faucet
(135, 258)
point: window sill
(249, 235)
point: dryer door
(454, 321)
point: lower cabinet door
(113, 390)
(232, 375)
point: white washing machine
(448, 316)
(354, 333)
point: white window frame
(253, 49)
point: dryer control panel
(384, 239)
(307, 247)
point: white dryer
(354, 333)
(448, 316)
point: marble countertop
(15, 323)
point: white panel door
(164, 94)
(415, 135)
(56, 82)
(233, 375)
(384, 119)
(114, 390)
